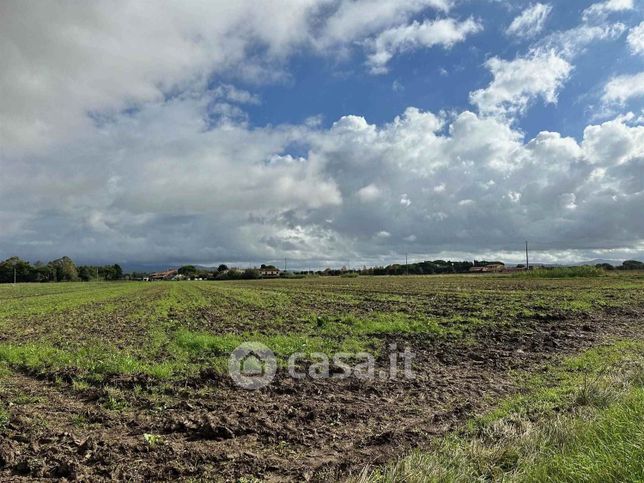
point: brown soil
(291, 430)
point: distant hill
(159, 267)
(146, 267)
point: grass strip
(578, 421)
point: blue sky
(321, 130)
(438, 78)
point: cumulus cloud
(470, 180)
(613, 143)
(624, 87)
(456, 182)
(120, 142)
(636, 39)
(531, 21)
(76, 59)
(444, 32)
(548, 64)
(93, 60)
(545, 68)
(140, 181)
(516, 83)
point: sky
(327, 132)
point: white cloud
(542, 72)
(599, 11)
(570, 43)
(404, 200)
(233, 94)
(516, 83)
(613, 143)
(369, 193)
(361, 18)
(494, 178)
(624, 87)
(458, 182)
(444, 32)
(62, 61)
(397, 86)
(531, 21)
(636, 39)
(115, 148)
(66, 63)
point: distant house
(490, 267)
(269, 271)
(494, 267)
(167, 275)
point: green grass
(283, 345)
(607, 445)
(392, 323)
(575, 421)
(562, 272)
(169, 330)
(578, 421)
(29, 300)
(93, 362)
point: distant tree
(86, 273)
(605, 266)
(23, 270)
(42, 273)
(63, 269)
(118, 271)
(188, 270)
(222, 268)
(250, 274)
(232, 274)
(632, 265)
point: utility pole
(285, 264)
(97, 274)
(527, 260)
(406, 265)
(14, 275)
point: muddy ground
(207, 428)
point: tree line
(60, 270)
(65, 270)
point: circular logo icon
(252, 365)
